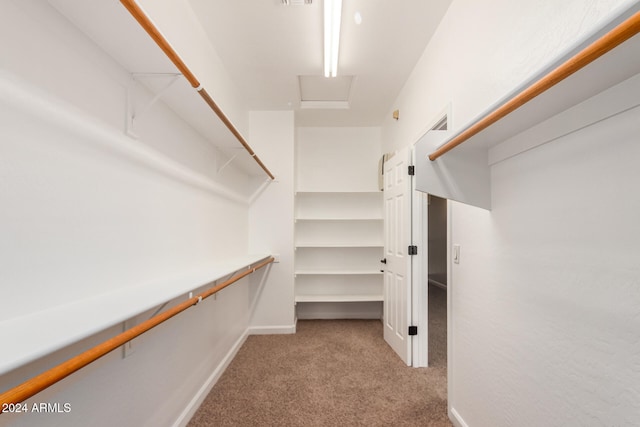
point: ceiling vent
(296, 2)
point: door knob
(384, 260)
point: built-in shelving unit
(339, 244)
(338, 224)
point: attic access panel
(322, 92)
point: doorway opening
(407, 272)
(437, 280)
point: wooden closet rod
(624, 31)
(148, 26)
(46, 379)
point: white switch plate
(456, 254)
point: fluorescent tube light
(332, 18)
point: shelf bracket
(230, 160)
(158, 310)
(127, 348)
(260, 189)
(133, 110)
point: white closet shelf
(337, 192)
(29, 337)
(340, 219)
(337, 245)
(339, 272)
(340, 237)
(338, 298)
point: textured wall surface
(544, 301)
(546, 297)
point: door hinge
(412, 170)
(413, 330)
(413, 250)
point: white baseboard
(202, 393)
(272, 330)
(456, 419)
(329, 315)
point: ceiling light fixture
(332, 18)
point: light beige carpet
(331, 373)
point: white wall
(337, 158)
(271, 220)
(82, 216)
(544, 302)
(545, 298)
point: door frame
(420, 266)
(420, 272)
(419, 291)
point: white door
(397, 274)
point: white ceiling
(267, 45)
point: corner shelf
(338, 272)
(336, 245)
(339, 219)
(338, 298)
